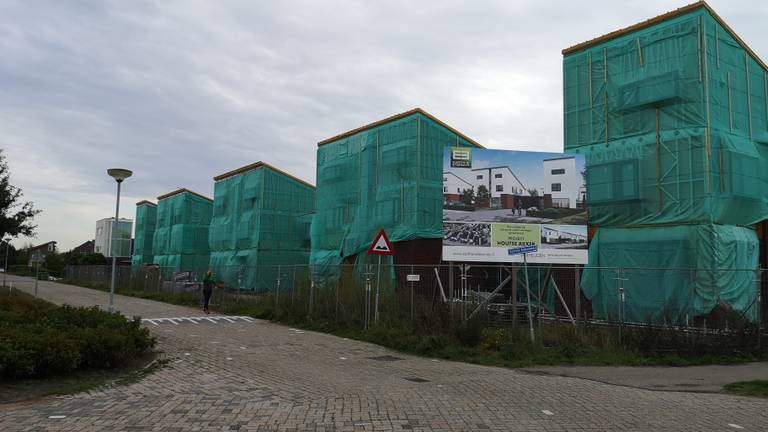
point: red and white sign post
(380, 246)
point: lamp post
(119, 174)
(5, 269)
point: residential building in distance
(37, 254)
(563, 182)
(84, 248)
(559, 235)
(113, 242)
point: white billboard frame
(514, 199)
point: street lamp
(119, 174)
(5, 269)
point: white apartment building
(103, 240)
(453, 184)
(563, 181)
(552, 235)
(498, 180)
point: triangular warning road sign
(381, 245)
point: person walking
(209, 281)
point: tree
(22, 255)
(483, 197)
(15, 216)
(467, 196)
(533, 192)
(88, 259)
(56, 263)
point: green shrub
(41, 339)
(432, 344)
(470, 333)
(494, 339)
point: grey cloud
(180, 91)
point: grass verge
(432, 333)
(756, 388)
(79, 381)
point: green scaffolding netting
(388, 176)
(260, 223)
(673, 122)
(146, 219)
(672, 274)
(180, 242)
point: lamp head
(119, 174)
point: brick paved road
(258, 376)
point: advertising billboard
(500, 203)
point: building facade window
(497, 176)
(561, 202)
(445, 189)
(556, 187)
(445, 178)
(480, 177)
(499, 188)
(458, 190)
(558, 171)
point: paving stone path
(257, 376)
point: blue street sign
(522, 250)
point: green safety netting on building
(146, 220)
(261, 219)
(180, 241)
(672, 273)
(671, 118)
(387, 175)
(674, 128)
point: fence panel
(438, 295)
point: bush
(41, 339)
(470, 333)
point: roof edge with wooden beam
(258, 165)
(659, 19)
(398, 117)
(146, 202)
(181, 191)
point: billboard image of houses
(496, 201)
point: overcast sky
(180, 91)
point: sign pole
(367, 295)
(380, 246)
(378, 279)
(528, 293)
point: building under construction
(672, 117)
(260, 224)
(388, 175)
(146, 221)
(180, 241)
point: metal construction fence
(706, 299)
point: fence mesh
(497, 295)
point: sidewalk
(60, 293)
(709, 379)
